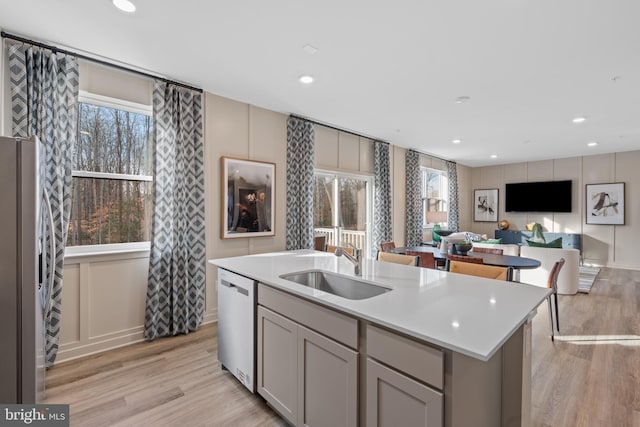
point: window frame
(443, 190)
(110, 248)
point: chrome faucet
(356, 258)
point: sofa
(569, 275)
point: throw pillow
(495, 241)
(557, 243)
(473, 237)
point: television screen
(547, 196)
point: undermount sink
(342, 286)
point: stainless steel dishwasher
(236, 326)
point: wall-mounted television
(545, 196)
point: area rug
(587, 277)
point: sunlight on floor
(626, 340)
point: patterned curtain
(382, 231)
(452, 220)
(175, 291)
(300, 172)
(44, 102)
(414, 209)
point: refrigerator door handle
(52, 255)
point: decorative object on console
(503, 224)
(536, 234)
(605, 203)
(485, 204)
(248, 194)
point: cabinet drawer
(334, 325)
(406, 355)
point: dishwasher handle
(230, 285)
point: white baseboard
(75, 350)
(99, 344)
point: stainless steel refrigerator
(24, 251)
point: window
(111, 177)
(342, 209)
(435, 195)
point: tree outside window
(112, 170)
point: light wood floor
(590, 376)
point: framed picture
(605, 203)
(485, 205)
(248, 198)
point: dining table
(511, 262)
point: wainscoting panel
(117, 295)
(103, 302)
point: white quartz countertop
(470, 315)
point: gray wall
(607, 245)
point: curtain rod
(362, 136)
(97, 61)
(336, 128)
(431, 155)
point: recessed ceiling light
(309, 49)
(462, 99)
(306, 79)
(592, 144)
(124, 5)
(457, 141)
(494, 156)
(579, 119)
(455, 324)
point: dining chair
(319, 242)
(495, 251)
(427, 260)
(480, 270)
(462, 258)
(332, 249)
(552, 283)
(387, 246)
(398, 258)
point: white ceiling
(388, 69)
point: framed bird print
(605, 203)
(485, 204)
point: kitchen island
(438, 349)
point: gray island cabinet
(419, 355)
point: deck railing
(353, 237)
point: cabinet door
(327, 381)
(394, 400)
(278, 362)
